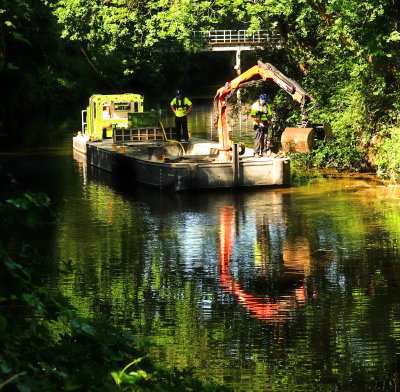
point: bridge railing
(216, 37)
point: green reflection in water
(293, 289)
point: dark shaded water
(271, 290)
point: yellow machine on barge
(105, 112)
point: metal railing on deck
(219, 37)
(126, 135)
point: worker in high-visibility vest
(261, 114)
(181, 106)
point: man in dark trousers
(261, 114)
(181, 106)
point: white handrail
(237, 36)
(84, 121)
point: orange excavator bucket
(302, 139)
(298, 139)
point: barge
(118, 136)
(163, 166)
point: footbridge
(237, 41)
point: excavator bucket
(302, 139)
(298, 139)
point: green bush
(342, 152)
(388, 157)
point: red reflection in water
(277, 310)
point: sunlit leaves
(131, 377)
(388, 161)
(394, 36)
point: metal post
(235, 164)
(212, 123)
(238, 95)
(238, 71)
(237, 66)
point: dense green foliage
(344, 52)
(38, 71)
(45, 346)
(388, 162)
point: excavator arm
(266, 72)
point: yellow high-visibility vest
(181, 105)
(260, 111)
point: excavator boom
(266, 72)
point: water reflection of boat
(81, 158)
(276, 307)
(267, 295)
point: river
(293, 289)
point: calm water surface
(271, 290)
